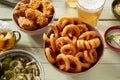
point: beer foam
(91, 4)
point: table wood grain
(107, 69)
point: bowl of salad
(20, 65)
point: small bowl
(36, 31)
(114, 3)
(112, 37)
(25, 57)
(100, 51)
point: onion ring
(80, 45)
(62, 41)
(50, 55)
(88, 44)
(52, 43)
(68, 49)
(91, 55)
(97, 42)
(80, 57)
(55, 30)
(87, 35)
(76, 20)
(74, 40)
(71, 30)
(63, 62)
(63, 21)
(92, 43)
(83, 28)
(75, 65)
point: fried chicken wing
(47, 8)
(20, 9)
(35, 4)
(27, 24)
(42, 20)
(30, 14)
(37, 16)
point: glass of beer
(90, 10)
(71, 3)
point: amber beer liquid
(71, 3)
(90, 18)
(90, 10)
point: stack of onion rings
(88, 44)
(71, 46)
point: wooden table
(107, 69)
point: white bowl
(26, 54)
(33, 32)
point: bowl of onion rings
(33, 16)
(72, 46)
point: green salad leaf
(110, 38)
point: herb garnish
(110, 38)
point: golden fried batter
(37, 16)
(27, 24)
(20, 9)
(42, 20)
(33, 15)
(47, 8)
(35, 4)
(30, 14)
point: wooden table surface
(107, 69)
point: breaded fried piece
(37, 16)
(42, 20)
(20, 9)
(30, 14)
(27, 24)
(45, 0)
(35, 4)
(48, 8)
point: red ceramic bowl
(100, 51)
(112, 31)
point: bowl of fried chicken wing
(33, 16)
(73, 47)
